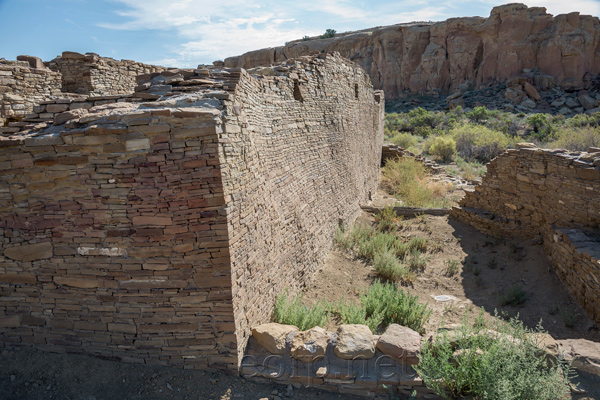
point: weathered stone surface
(354, 342)
(273, 336)
(550, 196)
(30, 252)
(156, 208)
(34, 62)
(531, 91)
(66, 116)
(438, 57)
(584, 354)
(310, 345)
(401, 343)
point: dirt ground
(30, 374)
(486, 269)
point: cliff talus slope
(438, 57)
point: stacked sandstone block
(350, 360)
(550, 195)
(98, 76)
(22, 86)
(161, 232)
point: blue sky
(185, 33)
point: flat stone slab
(30, 252)
(584, 354)
(310, 345)
(354, 341)
(401, 343)
(273, 336)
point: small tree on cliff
(329, 33)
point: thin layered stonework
(550, 195)
(160, 232)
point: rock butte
(438, 57)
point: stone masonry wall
(552, 196)
(301, 154)
(22, 87)
(160, 232)
(99, 76)
(106, 231)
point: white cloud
(555, 7)
(204, 31)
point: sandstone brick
(10, 321)
(29, 252)
(83, 283)
(149, 220)
(18, 278)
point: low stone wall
(22, 87)
(552, 196)
(350, 361)
(98, 76)
(160, 232)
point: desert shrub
(479, 114)
(514, 296)
(543, 128)
(442, 147)
(305, 38)
(388, 266)
(423, 131)
(404, 140)
(387, 219)
(421, 118)
(407, 179)
(470, 169)
(479, 142)
(503, 363)
(576, 139)
(291, 311)
(329, 33)
(367, 241)
(385, 304)
(395, 122)
(581, 120)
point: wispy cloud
(207, 30)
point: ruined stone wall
(161, 232)
(550, 195)
(300, 154)
(107, 234)
(438, 57)
(99, 76)
(22, 87)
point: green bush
(388, 266)
(442, 147)
(385, 304)
(387, 219)
(404, 140)
(479, 142)
(479, 114)
(503, 363)
(293, 312)
(514, 296)
(576, 139)
(329, 33)
(407, 179)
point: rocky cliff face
(438, 57)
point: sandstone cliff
(438, 57)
